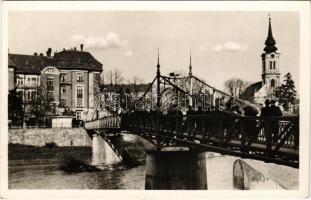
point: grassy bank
(28, 152)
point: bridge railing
(272, 137)
(265, 134)
(108, 122)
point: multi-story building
(69, 76)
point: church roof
(249, 92)
(270, 41)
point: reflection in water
(30, 176)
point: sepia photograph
(185, 96)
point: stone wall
(60, 136)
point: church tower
(270, 63)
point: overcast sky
(223, 44)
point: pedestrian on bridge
(197, 121)
(250, 124)
(265, 111)
(275, 111)
(188, 125)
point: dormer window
(79, 77)
(50, 70)
(62, 77)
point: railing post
(188, 130)
(243, 135)
(296, 133)
(203, 132)
(158, 103)
(268, 135)
(220, 130)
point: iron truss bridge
(270, 139)
(217, 128)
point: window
(270, 64)
(273, 64)
(28, 79)
(50, 70)
(64, 90)
(79, 92)
(79, 96)
(20, 81)
(50, 84)
(272, 83)
(79, 77)
(33, 94)
(78, 114)
(63, 102)
(79, 103)
(33, 81)
(28, 95)
(62, 77)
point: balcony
(79, 103)
(50, 88)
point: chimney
(48, 53)
(81, 47)
(35, 54)
(41, 54)
(74, 48)
(64, 49)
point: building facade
(69, 76)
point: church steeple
(158, 64)
(190, 66)
(270, 42)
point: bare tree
(118, 78)
(235, 86)
(40, 105)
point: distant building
(265, 88)
(68, 75)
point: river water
(47, 175)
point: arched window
(272, 83)
(273, 64)
(270, 64)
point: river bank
(32, 167)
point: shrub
(50, 145)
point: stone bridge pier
(102, 153)
(173, 168)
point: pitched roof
(68, 59)
(11, 63)
(249, 92)
(74, 59)
(127, 87)
(29, 64)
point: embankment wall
(60, 136)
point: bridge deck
(270, 139)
